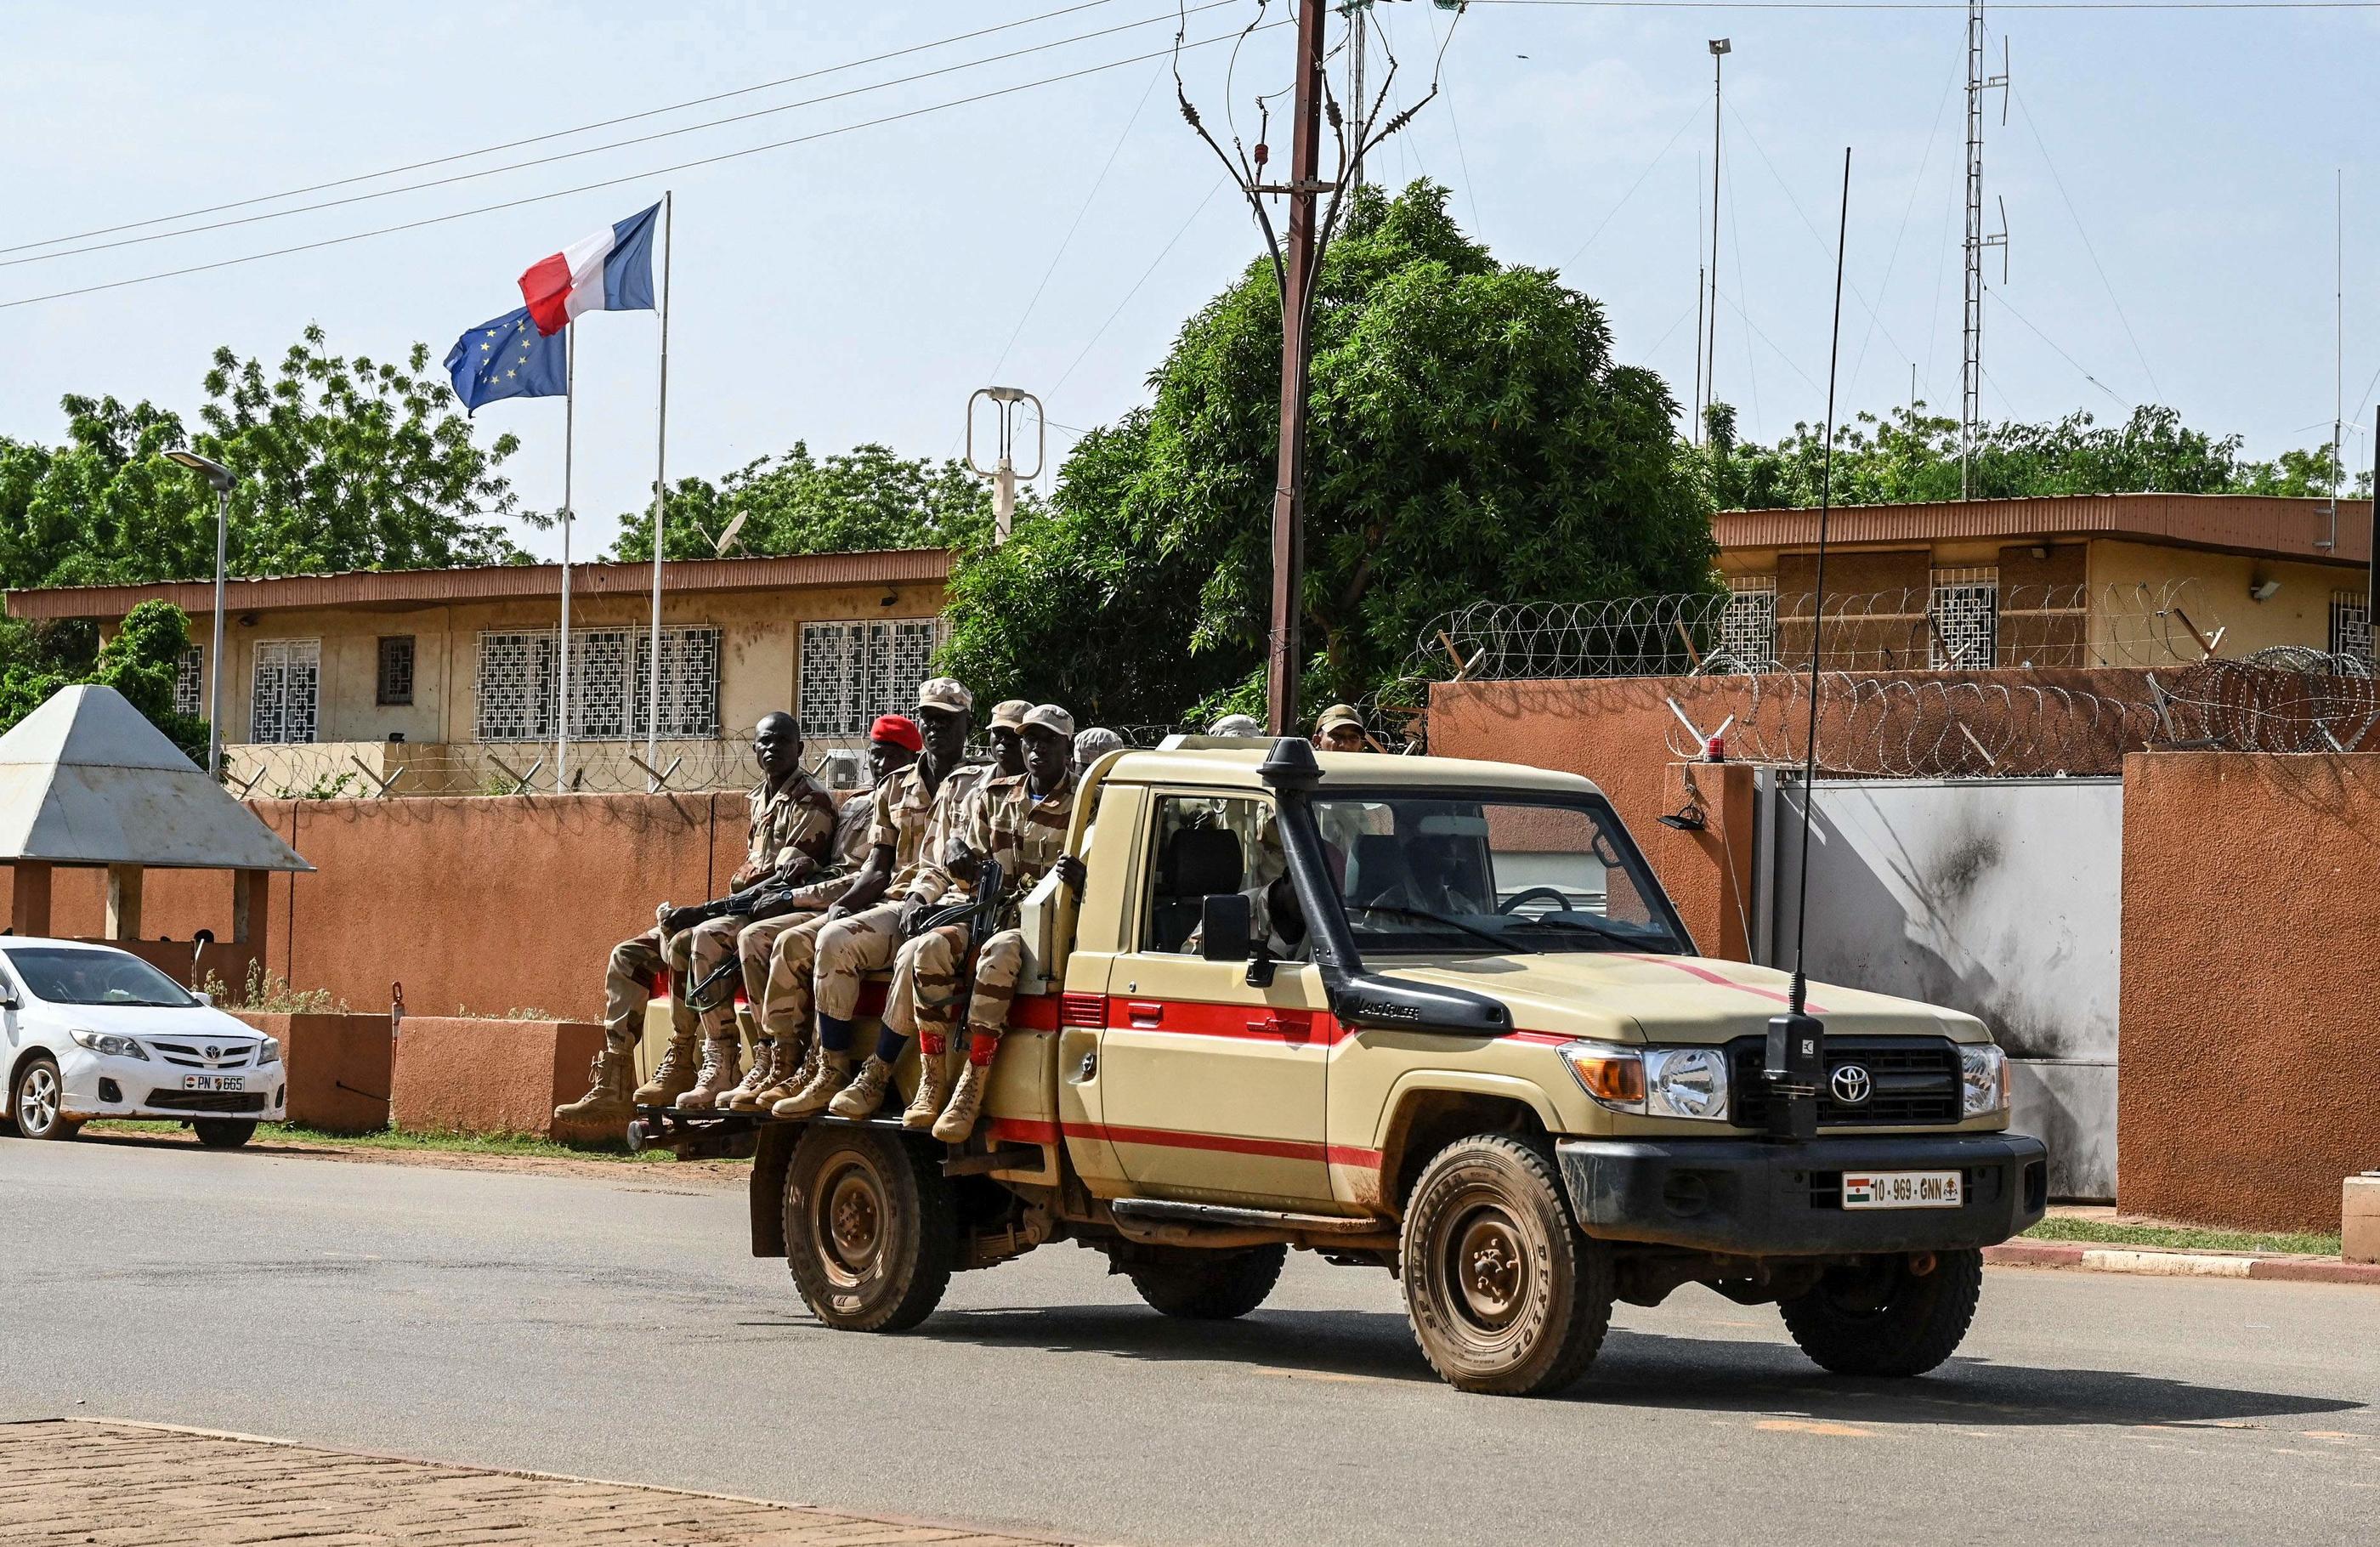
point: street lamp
(221, 478)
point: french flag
(610, 271)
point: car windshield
(1547, 873)
(69, 977)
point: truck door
(1213, 1089)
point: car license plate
(215, 1082)
(1903, 1189)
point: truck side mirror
(1225, 928)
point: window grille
(1965, 618)
(188, 684)
(1748, 627)
(286, 693)
(852, 672)
(599, 683)
(2350, 624)
(518, 686)
(395, 676)
(689, 682)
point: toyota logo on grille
(1852, 1085)
(214, 1053)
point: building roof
(396, 590)
(87, 780)
(2264, 526)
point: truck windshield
(62, 975)
(1427, 872)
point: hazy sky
(2168, 174)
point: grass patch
(432, 1140)
(2183, 1237)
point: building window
(2350, 624)
(395, 672)
(189, 684)
(286, 699)
(1748, 627)
(1964, 618)
(852, 672)
(519, 684)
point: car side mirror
(1226, 928)
(202, 996)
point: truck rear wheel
(1210, 1285)
(1505, 1295)
(871, 1229)
(1882, 1317)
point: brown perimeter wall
(2250, 998)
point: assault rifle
(757, 901)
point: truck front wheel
(1883, 1317)
(1505, 1295)
(871, 1229)
(1210, 1285)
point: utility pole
(1002, 474)
(1719, 48)
(1971, 397)
(1297, 274)
(1356, 26)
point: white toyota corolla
(91, 1032)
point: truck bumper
(1755, 1199)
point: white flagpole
(569, 442)
(661, 512)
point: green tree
(343, 465)
(140, 661)
(850, 502)
(1471, 435)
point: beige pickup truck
(1430, 1016)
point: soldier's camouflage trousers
(779, 956)
(925, 998)
(710, 946)
(628, 987)
(849, 949)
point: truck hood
(1629, 998)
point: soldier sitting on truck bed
(781, 1040)
(793, 817)
(916, 816)
(1020, 824)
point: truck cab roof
(1236, 762)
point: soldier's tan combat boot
(791, 1072)
(673, 1078)
(833, 1070)
(957, 1120)
(864, 1094)
(607, 1099)
(756, 1079)
(722, 1066)
(933, 1089)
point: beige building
(2104, 580)
(449, 680)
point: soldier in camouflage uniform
(916, 817)
(1021, 825)
(1006, 732)
(785, 818)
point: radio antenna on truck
(1795, 1058)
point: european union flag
(508, 358)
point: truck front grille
(1915, 1081)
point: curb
(2179, 1264)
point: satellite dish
(727, 538)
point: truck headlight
(110, 1044)
(1983, 1070)
(268, 1051)
(1688, 1082)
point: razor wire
(2285, 698)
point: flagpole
(569, 447)
(661, 509)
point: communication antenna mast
(1719, 49)
(1971, 398)
(1356, 10)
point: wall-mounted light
(2263, 591)
(890, 598)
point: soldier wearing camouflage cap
(1006, 730)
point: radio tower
(1971, 397)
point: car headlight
(268, 1051)
(1688, 1082)
(110, 1044)
(1983, 1070)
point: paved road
(615, 1329)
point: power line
(1946, 5)
(564, 134)
(1461, 158)
(1694, 116)
(595, 150)
(626, 177)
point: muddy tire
(1880, 1318)
(222, 1133)
(36, 1098)
(1214, 1287)
(1505, 1295)
(871, 1227)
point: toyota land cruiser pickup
(1426, 1014)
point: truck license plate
(215, 1082)
(1903, 1189)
